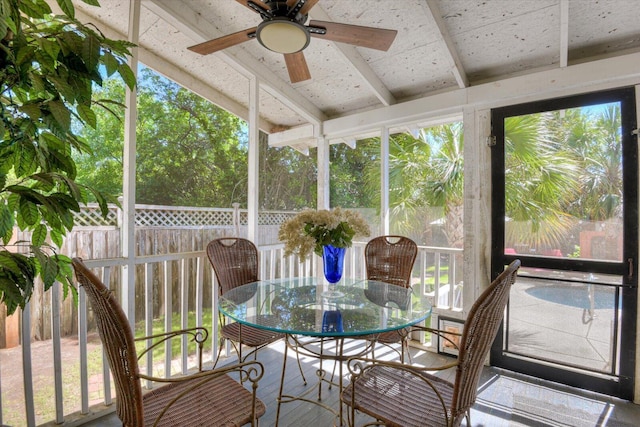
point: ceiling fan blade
(305, 8)
(373, 38)
(297, 67)
(223, 42)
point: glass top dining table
(311, 307)
(307, 306)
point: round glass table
(307, 307)
(302, 306)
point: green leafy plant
(311, 230)
(49, 65)
(575, 253)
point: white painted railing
(429, 275)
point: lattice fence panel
(274, 217)
(91, 216)
(163, 216)
(168, 216)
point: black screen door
(564, 202)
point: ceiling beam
(303, 134)
(449, 47)
(191, 24)
(362, 68)
(178, 75)
(556, 82)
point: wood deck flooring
(504, 399)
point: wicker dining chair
(235, 263)
(204, 398)
(398, 394)
(390, 259)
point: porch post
(129, 172)
(384, 180)
(323, 183)
(253, 162)
(477, 205)
(323, 201)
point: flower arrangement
(311, 230)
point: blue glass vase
(333, 259)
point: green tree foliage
(444, 184)
(426, 171)
(189, 152)
(102, 166)
(601, 178)
(287, 178)
(192, 153)
(542, 174)
(48, 69)
(350, 187)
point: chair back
(390, 259)
(480, 329)
(234, 260)
(117, 340)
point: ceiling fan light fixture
(282, 35)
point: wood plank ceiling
(441, 46)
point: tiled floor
(504, 399)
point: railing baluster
(199, 290)
(275, 263)
(291, 266)
(452, 280)
(423, 270)
(27, 372)
(168, 278)
(106, 378)
(436, 279)
(184, 312)
(148, 318)
(82, 344)
(57, 351)
(214, 315)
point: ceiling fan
(283, 30)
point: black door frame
(623, 386)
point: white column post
(477, 204)
(323, 183)
(129, 172)
(254, 162)
(384, 180)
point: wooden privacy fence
(159, 230)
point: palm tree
(429, 169)
(602, 176)
(426, 171)
(407, 157)
(444, 185)
(541, 175)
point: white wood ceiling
(441, 46)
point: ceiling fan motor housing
(283, 35)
